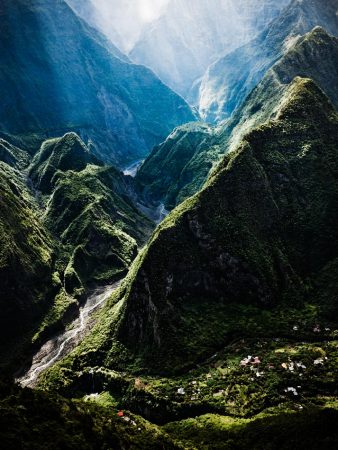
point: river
(62, 344)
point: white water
(161, 213)
(133, 168)
(59, 346)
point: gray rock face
(229, 80)
(192, 34)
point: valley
(168, 225)
(58, 347)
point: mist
(124, 20)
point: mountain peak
(66, 153)
(302, 99)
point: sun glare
(149, 10)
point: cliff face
(258, 237)
(58, 74)
(230, 80)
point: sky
(127, 17)
(149, 10)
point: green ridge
(180, 166)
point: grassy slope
(178, 167)
(26, 259)
(34, 419)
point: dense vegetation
(246, 267)
(223, 333)
(69, 225)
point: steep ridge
(87, 207)
(260, 235)
(246, 267)
(230, 79)
(67, 153)
(58, 75)
(13, 156)
(88, 11)
(315, 56)
(68, 225)
(191, 34)
(179, 167)
(26, 257)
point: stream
(62, 344)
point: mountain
(58, 75)
(89, 210)
(314, 55)
(230, 80)
(67, 153)
(121, 21)
(67, 223)
(192, 34)
(179, 167)
(248, 266)
(260, 236)
(26, 257)
(88, 11)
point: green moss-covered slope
(179, 167)
(26, 256)
(260, 234)
(87, 207)
(258, 237)
(67, 153)
(67, 223)
(35, 419)
(13, 156)
(91, 214)
(313, 429)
